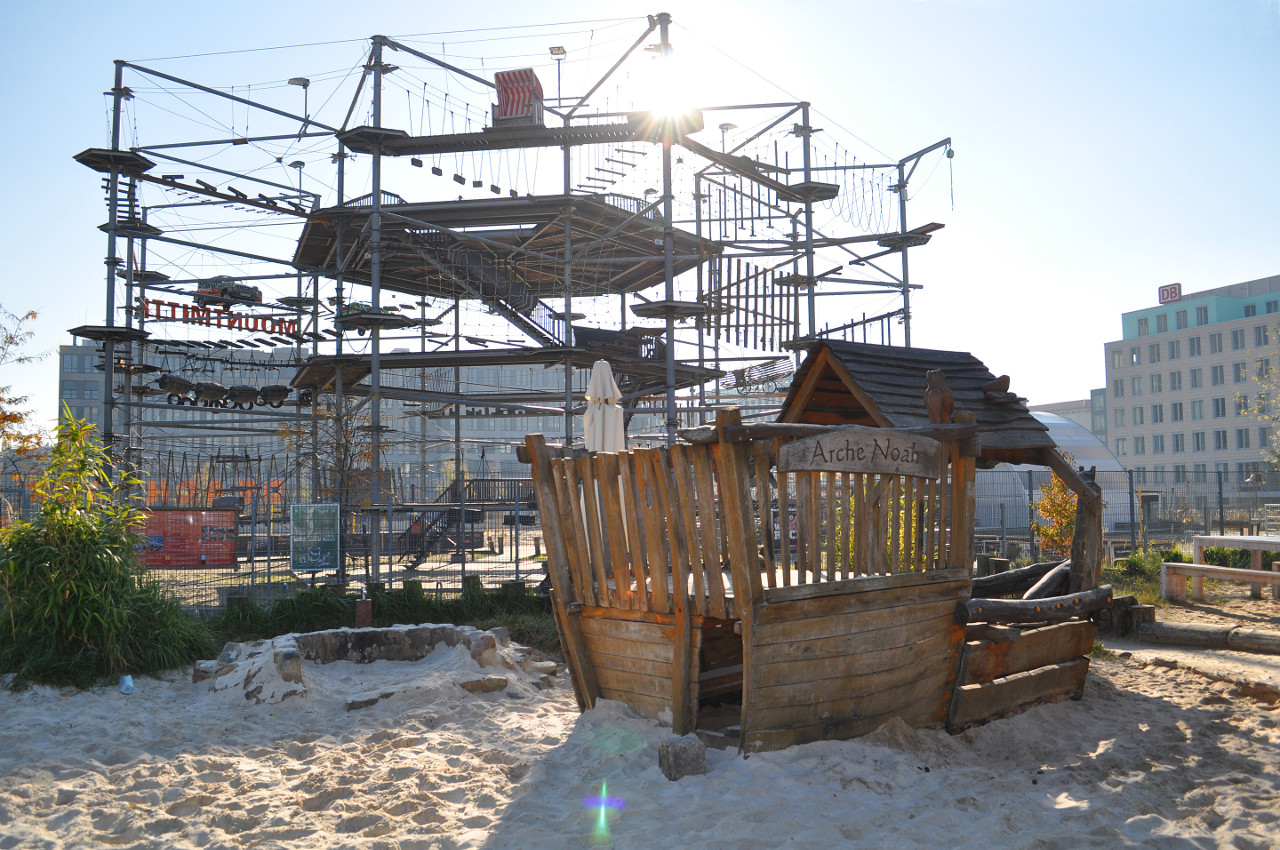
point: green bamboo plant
(75, 606)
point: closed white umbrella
(603, 429)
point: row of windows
(1172, 349)
(1177, 442)
(1177, 409)
(1202, 318)
(1155, 382)
(1199, 473)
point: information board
(188, 538)
(314, 538)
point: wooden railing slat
(616, 530)
(690, 511)
(639, 574)
(711, 516)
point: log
(1051, 609)
(1054, 583)
(1013, 581)
(1254, 640)
(1189, 634)
(976, 704)
(1138, 615)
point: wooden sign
(868, 450)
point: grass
(1138, 574)
(525, 616)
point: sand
(1150, 757)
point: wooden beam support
(1052, 609)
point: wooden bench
(1173, 579)
(1254, 544)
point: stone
(289, 663)
(680, 757)
(501, 634)
(541, 668)
(202, 670)
(484, 685)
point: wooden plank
(890, 694)
(735, 508)
(833, 591)
(656, 549)
(629, 631)
(835, 637)
(804, 529)
(627, 615)
(683, 711)
(710, 521)
(764, 498)
(785, 480)
(590, 489)
(846, 525)
(635, 532)
(833, 526)
(682, 477)
(571, 525)
(604, 647)
(1033, 648)
(646, 706)
(880, 526)
(618, 684)
(981, 703)
(606, 470)
(924, 714)
(912, 646)
(653, 668)
(585, 687)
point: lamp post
(305, 85)
(558, 53)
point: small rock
(367, 700)
(546, 683)
(679, 757)
(541, 668)
(501, 634)
(480, 643)
(204, 670)
(289, 663)
(485, 685)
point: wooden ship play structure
(771, 584)
(444, 218)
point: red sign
(1171, 292)
(188, 538)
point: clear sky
(1102, 147)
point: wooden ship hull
(679, 590)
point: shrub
(73, 604)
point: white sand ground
(1151, 757)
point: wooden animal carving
(938, 399)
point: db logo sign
(1172, 292)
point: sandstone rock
(485, 685)
(202, 670)
(678, 757)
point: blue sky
(1102, 149)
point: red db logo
(1172, 292)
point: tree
(15, 430)
(1057, 509)
(1265, 404)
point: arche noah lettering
(849, 452)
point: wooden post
(585, 687)
(736, 509)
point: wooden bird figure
(998, 387)
(938, 398)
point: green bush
(73, 606)
(1222, 556)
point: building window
(1216, 375)
(1262, 368)
(1215, 343)
(1219, 408)
(1220, 440)
(1136, 385)
(1197, 409)
(1157, 444)
(1259, 334)
(1242, 438)
(1138, 416)
(1140, 445)
(1119, 417)
(1242, 405)
(1264, 436)
(1157, 475)
(1197, 378)
(1117, 388)
(1157, 414)
(1153, 352)
(1193, 346)
(1120, 452)
(1237, 339)
(1179, 473)
(1117, 358)
(1197, 441)
(1180, 319)
(1157, 381)
(1175, 412)
(1250, 310)
(1273, 306)
(1140, 475)
(1221, 468)
(1239, 372)
(1261, 403)
(1162, 323)
(1135, 356)
(1202, 316)
(1179, 443)
(1175, 381)
(1143, 327)
(1175, 349)
(1199, 473)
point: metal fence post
(1133, 523)
(1222, 529)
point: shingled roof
(859, 384)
